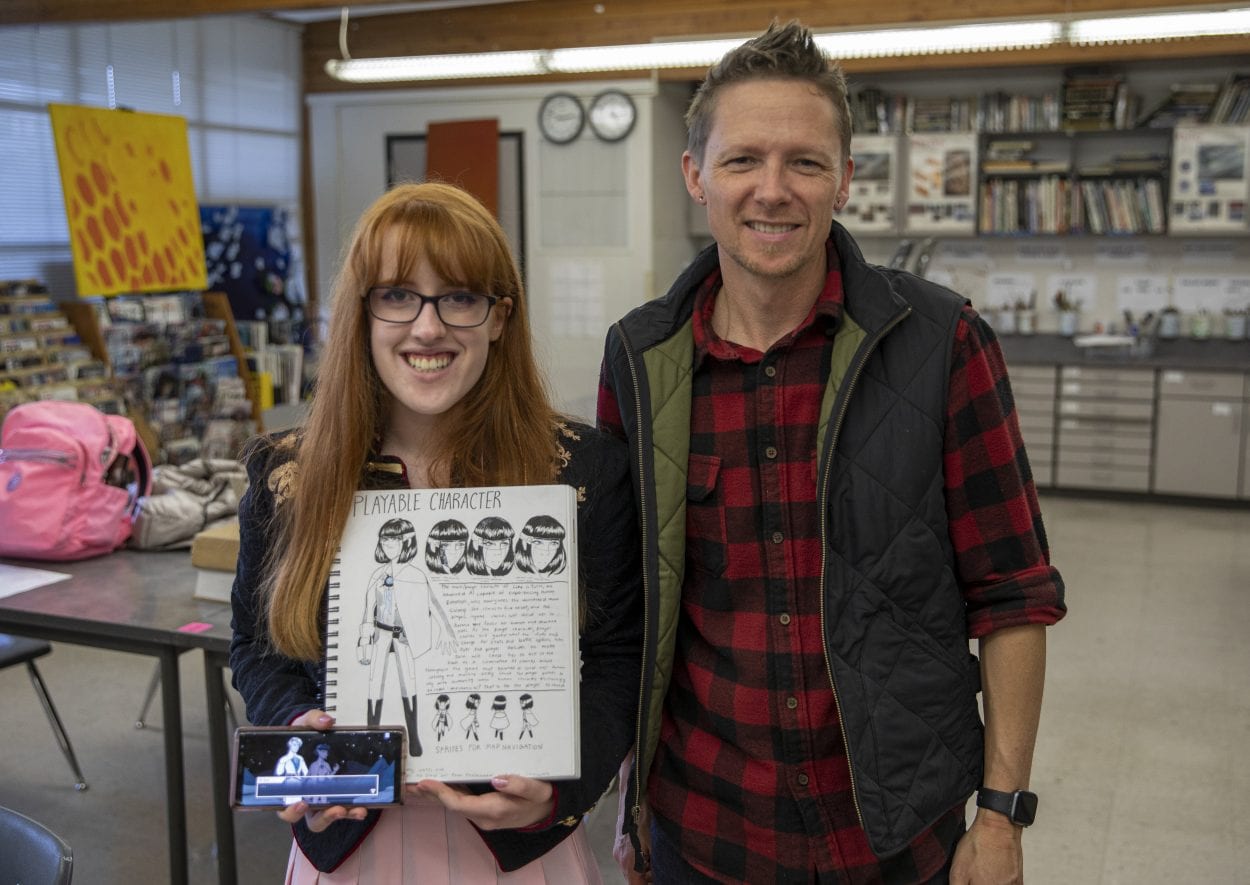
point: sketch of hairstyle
(448, 535)
(540, 546)
(490, 547)
(397, 528)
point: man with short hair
(834, 499)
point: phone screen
(278, 766)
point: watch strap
(1019, 806)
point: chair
(32, 854)
(23, 650)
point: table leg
(218, 736)
(175, 786)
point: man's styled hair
(782, 52)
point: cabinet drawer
(1108, 390)
(1125, 479)
(1141, 411)
(1099, 375)
(1037, 422)
(1029, 388)
(1129, 439)
(1111, 459)
(1032, 375)
(1226, 385)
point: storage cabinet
(1200, 439)
(1034, 391)
(1105, 428)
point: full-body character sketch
(499, 719)
(396, 622)
(540, 547)
(490, 547)
(445, 546)
(528, 719)
(442, 718)
(469, 721)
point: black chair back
(32, 854)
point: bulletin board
(129, 200)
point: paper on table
(14, 580)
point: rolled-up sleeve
(1002, 556)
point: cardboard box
(217, 547)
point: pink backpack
(70, 481)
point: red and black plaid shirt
(750, 778)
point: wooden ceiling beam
(19, 12)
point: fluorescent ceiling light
(438, 67)
(1130, 28)
(884, 42)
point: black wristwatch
(1019, 806)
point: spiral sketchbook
(453, 612)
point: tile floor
(1141, 763)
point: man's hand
(517, 801)
(990, 853)
(321, 818)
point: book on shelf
(1183, 103)
(473, 593)
(1232, 105)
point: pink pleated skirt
(422, 842)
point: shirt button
(784, 617)
(792, 703)
(770, 371)
(802, 779)
(770, 452)
(778, 537)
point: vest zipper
(635, 811)
(824, 536)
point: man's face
(772, 174)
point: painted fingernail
(499, 782)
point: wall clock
(561, 117)
(612, 115)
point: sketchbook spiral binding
(332, 634)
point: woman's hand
(321, 818)
(518, 801)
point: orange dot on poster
(136, 283)
(119, 263)
(158, 265)
(143, 242)
(164, 170)
(182, 235)
(130, 149)
(93, 228)
(133, 207)
(110, 222)
(147, 274)
(84, 189)
(121, 210)
(103, 270)
(100, 178)
(173, 206)
(132, 252)
(75, 208)
(169, 256)
(83, 246)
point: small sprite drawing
(442, 716)
(528, 719)
(499, 719)
(490, 547)
(540, 547)
(397, 623)
(469, 721)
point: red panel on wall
(466, 152)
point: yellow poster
(130, 200)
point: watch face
(612, 115)
(1024, 809)
(560, 117)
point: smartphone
(275, 766)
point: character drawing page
(453, 612)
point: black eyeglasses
(461, 310)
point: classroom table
(141, 602)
